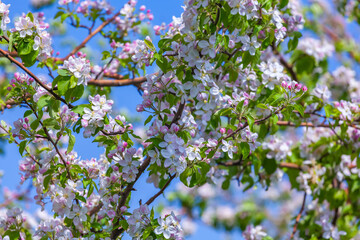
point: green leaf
(226, 184)
(30, 58)
(63, 85)
(71, 143)
(300, 109)
(250, 121)
(24, 48)
(58, 14)
(63, 72)
(43, 101)
(328, 110)
(245, 149)
(80, 108)
(35, 124)
(270, 165)
(148, 119)
(11, 42)
(28, 113)
(47, 181)
(262, 106)
(22, 147)
(150, 45)
(305, 64)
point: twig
(256, 122)
(117, 82)
(298, 217)
(87, 39)
(283, 61)
(124, 195)
(148, 202)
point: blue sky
(125, 98)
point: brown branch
(87, 39)
(256, 122)
(123, 197)
(282, 165)
(13, 60)
(287, 65)
(17, 143)
(290, 165)
(177, 115)
(117, 82)
(12, 54)
(50, 139)
(307, 124)
(148, 202)
(298, 217)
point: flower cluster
(143, 53)
(79, 67)
(316, 48)
(169, 227)
(138, 221)
(94, 117)
(4, 14)
(279, 148)
(35, 28)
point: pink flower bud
(26, 120)
(147, 103)
(140, 108)
(150, 16)
(113, 44)
(336, 104)
(142, 8)
(304, 89)
(222, 130)
(164, 129)
(125, 144)
(130, 126)
(123, 209)
(175, 127)
(9, 88)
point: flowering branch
(13, 60)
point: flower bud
(164, 129)
(140, 108)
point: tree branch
(287, 65)
(117, 82)
(13, 60)
(148, 202)
(87, 39)
(298, 217)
